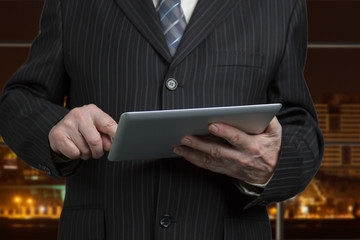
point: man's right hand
(85, 132)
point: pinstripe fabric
(112, 53)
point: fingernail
(186, 141)
(177, 150)
(213, 128)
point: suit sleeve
(32, 101)
(302, 141)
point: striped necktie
(173, 22)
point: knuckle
(84, 157)
(91, 107)
(94, 141)
(85, 152)
(207, 159)
(76, 112)
(56, 134)
(215, 152)
(247, 163)
(67, 122)
(253, 150)
(69, 152)
(74, 154)
(97, 155)
(235, 139)
(58, 141)
(79, 113)
(110, 123)
(74, 116)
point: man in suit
(112, 56)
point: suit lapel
(207, 15)
(143, 15)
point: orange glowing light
(17, 199)
(272, 211)
(30, 201)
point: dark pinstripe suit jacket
(112, 53)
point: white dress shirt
(187, 6)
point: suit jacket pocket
(241, 59)
(247, 228)
(82, 223)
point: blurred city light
(42, 209)
(305, 210)
(17, 199)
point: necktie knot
(173, 22)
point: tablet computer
(154, 134)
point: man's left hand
(250, 158)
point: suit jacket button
(165, 221)
(171, 84)
(45, 169)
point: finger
(77, 138)
(211, 148)
(81, 144)
(66, 148)
(93, 139)
(274, 127)
(232, 135)
(201, 159)
(104, 123)
(62, 143)
(106, 142)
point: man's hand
(250, 158)
(85, 132)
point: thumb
(274, 127)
